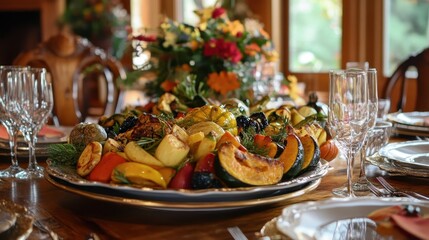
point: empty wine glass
(348, 116)
(360, 186)
(36, 105)
(9, 74)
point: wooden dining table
(73, 216)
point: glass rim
(380, 124)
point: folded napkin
(419, 121)
(46, 132)
(417, 226)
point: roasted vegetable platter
(215, 152)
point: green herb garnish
(64, 154)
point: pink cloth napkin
(418, 227)
(46, 131)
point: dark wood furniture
(399, 80)
(81, 74)
(75, 217)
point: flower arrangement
(95, 18)
(216, 58)
(98, 20)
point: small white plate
(411, 154)
(302, 221)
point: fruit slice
(137, 154)
(292, 156)
(171, 151)
(244, 168)
(137, 173)
(206, 146)
(311, 152)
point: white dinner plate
(410, 123)
(305, 220)
(410, 154)
(69, 175)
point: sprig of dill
(247, 140)
(148, 144)
(64, 154)
(283, 132)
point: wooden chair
(399, 80)
(83, 77)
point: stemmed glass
(348, 116)
(8, 76)
(36, 105)
(361, 185)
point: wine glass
(36, 105)
(348, 116)
(360, 187)
(358, 65)
(8, 75)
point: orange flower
(233, 28)
(184, 68)
(271, 56)
(252, 49)
(223, 82)
(168, 85)
(193, 45)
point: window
(406, 31)
(314, 35)
(186, 10)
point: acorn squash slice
(238, 168)
(292, 156)
(311, 152)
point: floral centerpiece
(216, 58)
(101, 21)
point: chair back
(83, 77)
(399, 80)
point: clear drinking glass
(36, 105)
(348, 117)
(357, 65)
(383, 108)
(9, 74)
(360, 187)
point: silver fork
(376, 191)
(236, 233)
(397, 192)
(46, 229)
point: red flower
(222, 49)
(150, 38)
(217, 12)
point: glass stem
(13, 143)
(350, 156)
(32, 163)
(362, 174)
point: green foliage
(64, 154)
